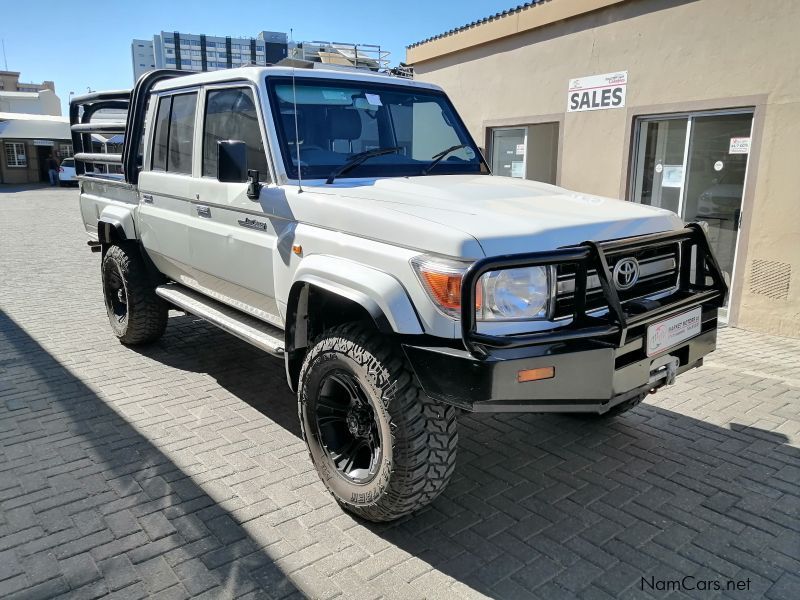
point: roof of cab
(255, 74)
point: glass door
(660, 163)
(695, 166)
(508, 152)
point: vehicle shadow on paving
(191, 344)
(82, 490)
(556, 506)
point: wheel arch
(115, 224)
(328, 291)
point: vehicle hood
(508, 215)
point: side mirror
(232, 161)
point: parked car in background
(66, 172)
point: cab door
(232, 239)
(166, 184)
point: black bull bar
(697, 266)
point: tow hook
(664, 368)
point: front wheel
(381, 446)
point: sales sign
(597, 92)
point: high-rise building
(200, 52)
(143, 58)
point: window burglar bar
(15, 155)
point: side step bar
(251, 330)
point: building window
(526, 152)
(15, 155)
(65, 150)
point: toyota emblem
(626, 273)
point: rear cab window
(173, 139)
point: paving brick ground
(177, 470)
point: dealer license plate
(670, 332)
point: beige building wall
(680, 55)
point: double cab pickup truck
(346, 222)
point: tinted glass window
(231, 115)
(161, 134)
(181, 133)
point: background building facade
(9, 82)
(200, 52)
(690, 105)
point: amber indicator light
(536, 374)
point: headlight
(515, 294)
(505, 295)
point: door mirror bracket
(254, 185)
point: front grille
(659, 266)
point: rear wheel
(382, 447)
(137, 315)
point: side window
(174, 134)
(181, 133)
(231, 115)
(161, 134)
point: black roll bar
(83, 107)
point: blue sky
(45, 40)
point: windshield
(337, 120)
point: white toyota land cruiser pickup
(347, 222)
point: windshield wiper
(437, 158)
(359, 158)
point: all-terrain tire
(137, 315)
(418, 435)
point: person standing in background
(52, 170)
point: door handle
(203, 211)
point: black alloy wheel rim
(347, 428)
(116, 294)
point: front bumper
(597, 361)
(589, 376)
